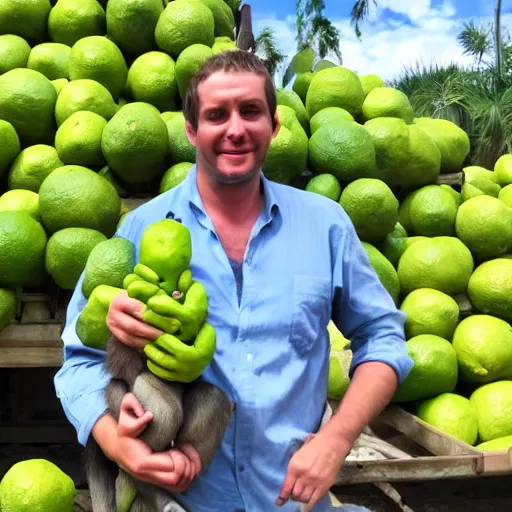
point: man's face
(234, 128)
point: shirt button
(249, 357)
(241, 468)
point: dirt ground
(468, 495)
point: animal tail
(101, 475)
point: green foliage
(268, 50)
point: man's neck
(236, 202)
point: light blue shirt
(303, 265)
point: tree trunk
(497, 36)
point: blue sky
(401, 32)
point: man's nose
(235, 126)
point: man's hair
(236, 60)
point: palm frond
(288, 75)
(267, 48)
(328, 37)
(475, 41)
(360, 13)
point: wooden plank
(30, 334)
(30, 357)
(499, 462)
(37, 434)
(420, 468)
(426, 435)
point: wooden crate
(435, 455)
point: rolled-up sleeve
(81, 381)
(362, 308)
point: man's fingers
(297, 490)
(305, 494)
(130, 404)
(132, 326)
(157, 462)
(286, 489)
(315, 498)
(193, 456)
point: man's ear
(191, 133)
(276, 125)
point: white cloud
(386, 49)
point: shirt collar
(270, 205)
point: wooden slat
(37, 434)
(30, 357)
(31, 335)
(420, 468)
(426, 435)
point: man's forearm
(105, 434)
(372, 387)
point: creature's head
(166, 248)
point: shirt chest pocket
(311, 310)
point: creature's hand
(313, 470)
(124, 319)
(187, 463)
(132, 417)
(171, 359)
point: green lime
(452, 141)
(288, 153)
(23, 243)
(10, 145)
(25, 18)
(384, 270)
(50, 59)
(27, 101)
(73, 196)
(484, 348)
(182, 24)
(32, 166)
(434, 371)
(387, 102)
(432, 212)
(326, 185)
(503, 170)
(174, 176)
(505, 195)
(98, 58)
(72, 20)
(484, 224)
(109, 262)
(371, 206)
(59, 84)
(36, 485)
(452, 414)
(342, 148)
(490, 288)
(493, 405)
(14, 52)
(131, 24)
(430, 312)
(20, 201)
(7, 307)
(301, 85)
(84, 95)
(188, 64)
(394, 245)
(334, 87)
(67, 252)
(180, 148)
(370, 82)
(502, 443)
(328, 115)
(223, 19)
(135, 143)
(151, 79)
(443, 263)
(292, 99)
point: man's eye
(215, 115)
(250, 112)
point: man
(277, 264)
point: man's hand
(173, 470)
(124, 319)
(313, 469)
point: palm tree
(267, 49)
(316, 37)
(360, 13)
(475, 41)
